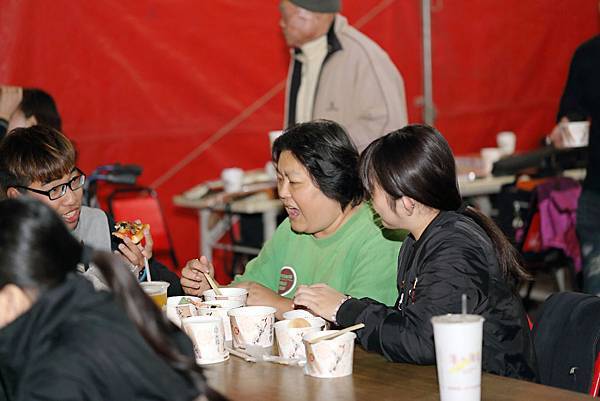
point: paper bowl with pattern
(176, 311)
(289, 339)
(329, 358)
(252, 326)
(220, 308)
(228, 294)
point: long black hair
(416, 161)
(325, 149)
(38, 252)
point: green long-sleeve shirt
(357, 260)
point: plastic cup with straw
(458, 341)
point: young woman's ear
(408, 204)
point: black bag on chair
(566, 338)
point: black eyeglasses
(60, 190)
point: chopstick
(240, 354)
(213, 284)
(336, 334)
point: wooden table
(374, 379)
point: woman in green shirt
(330, 235)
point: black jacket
(452, 257)
(581, 100)
(77, 344)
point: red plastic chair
(142, 203)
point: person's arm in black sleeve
(160, 272)
(572, 103)
(407, 336)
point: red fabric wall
(153, 82)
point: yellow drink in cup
(157, 290)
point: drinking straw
(147, 268)
(464, 304)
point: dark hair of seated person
(324, 148)
(425, 170)
(41, 105)
(40, 255)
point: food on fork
(131, 230)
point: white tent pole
(428, 107)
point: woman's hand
(320, 298)
(262, 296)
(192, 280)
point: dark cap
(320, 6)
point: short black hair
(325, 149)
(41, 105)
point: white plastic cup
(329, 358)
(507, 142)
(489, 157)
(221, 311)
(157, 290)
(233, 179)
(228, 294)
(458, 340)
(289, 339)
(580, 134)
(252, 326)
(296, 313)
(176, 312)
(208, 336)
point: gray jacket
(359, 87)
(93, 230)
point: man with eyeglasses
(40, 162)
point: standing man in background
(581, 101)
(338, 73)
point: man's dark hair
(324, 148)
(36, 153)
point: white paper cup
(289, 339)
(329, 358)
(208, 336)
(506, 141)
(580, 134)
(229, 294)
(458, 355)
(221, 311)
(489, 157)
(296, 313)
(252, 326)
(176, 312)
(233, 179)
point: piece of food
(133, 231)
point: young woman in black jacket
(452, 249)
(62, 340)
